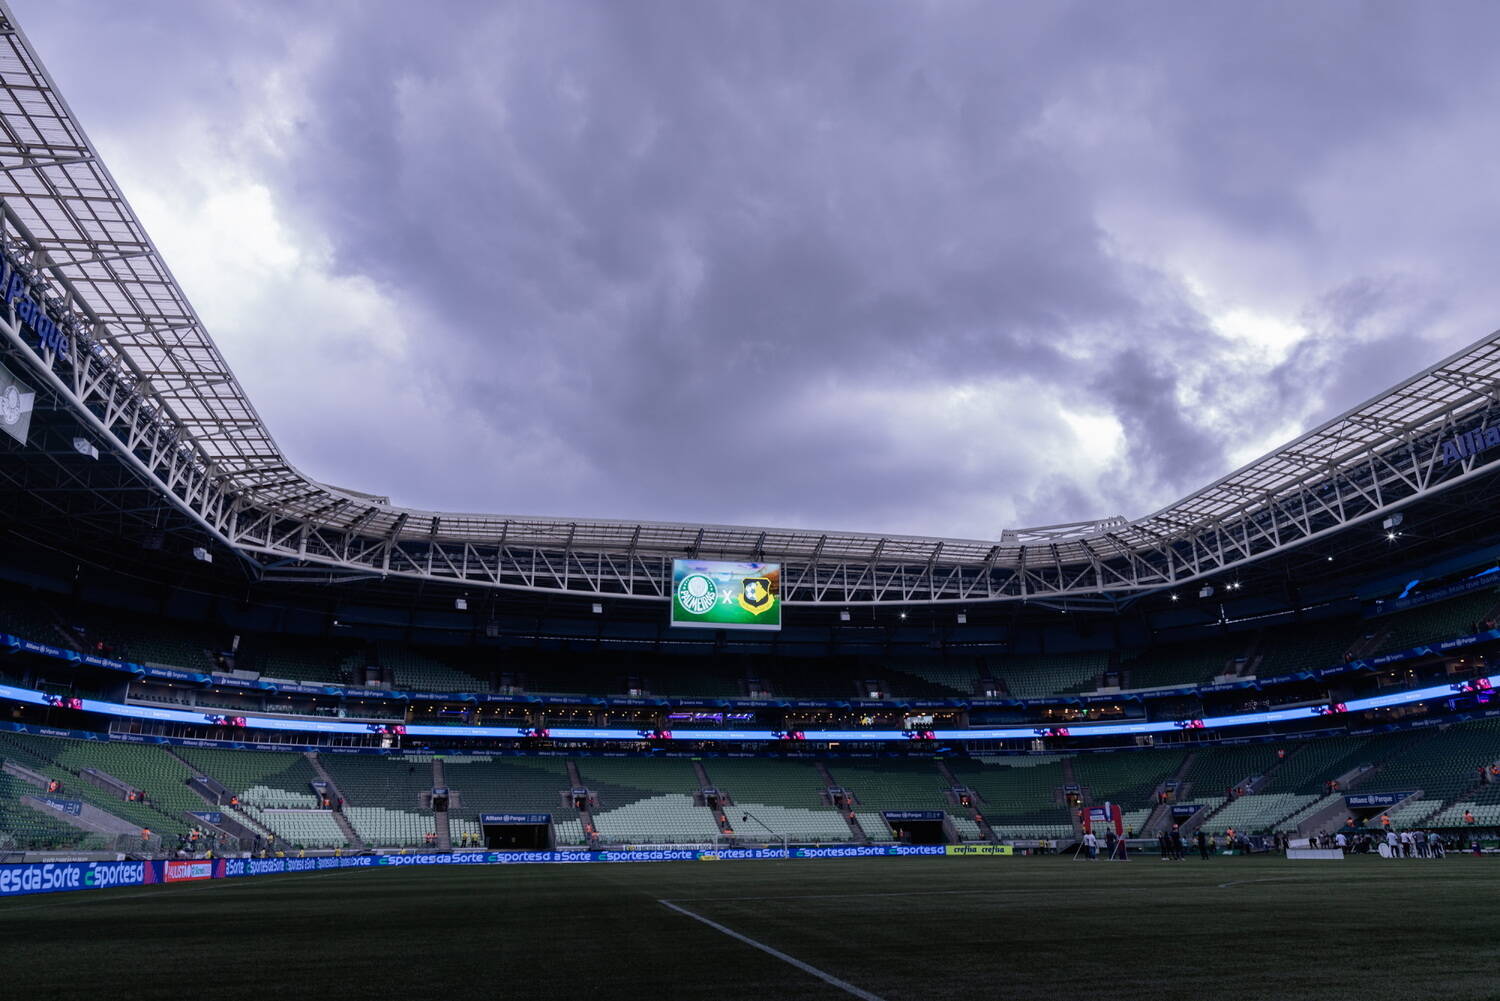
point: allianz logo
(1469, 444)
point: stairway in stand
(704, 782)
(440, 817)
(855, 828)
(237, 818)
(585, 815)
(1070, 780)
(342, 821)
(974, 812)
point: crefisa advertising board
(714, 594)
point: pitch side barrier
(60, 877)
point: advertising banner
(53, 877)
(1376, 798)
(57, 877)
(178, 872)
(71, 807)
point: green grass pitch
(897, 930)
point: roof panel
(79, 217)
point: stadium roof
(146, 377)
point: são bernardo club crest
(757, 595)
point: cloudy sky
(929, 267)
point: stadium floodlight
(85, 447)
(1206, 591)
(963, 618)
(462, 604)
(843, 615)
(598, 608)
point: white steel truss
(145, 376)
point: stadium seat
(1041, 676)
(895, 785)
(1129, 778)
(1020, 796)
(671, 818)
(1183, 663)
(146, 768)
(1258, 813)
(784, 796)
(27, 828)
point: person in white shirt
(1092, 844)
(1340, 842)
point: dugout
(517, 832)
(918, 827)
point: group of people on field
(1415, 844)
(1397, 844)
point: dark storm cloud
(842, 265)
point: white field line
(827, 978)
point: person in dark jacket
(1202, 845)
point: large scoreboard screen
(719, 595)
